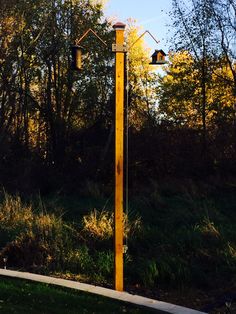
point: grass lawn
(20, 296)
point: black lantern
(77, 50)
(158, 57)
(77, 57)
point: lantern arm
(78, 41)
(146, 32)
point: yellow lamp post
(157, 58)
(119, 49)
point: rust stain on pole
(118, 168)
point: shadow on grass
(20, 296)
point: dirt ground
(213, 301)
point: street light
(120, 49)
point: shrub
(79, 259)
(105, 263)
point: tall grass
(30, 238)
(178, 233)
(34, 239)
(100, 224)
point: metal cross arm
(158, 57)
(77, 49)
(78, 41)
(157, 41)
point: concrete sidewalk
(122, 296)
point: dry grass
(208, 228)
(27, 237)
(99, 224)
(14, 214)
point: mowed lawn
(20, 296)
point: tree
(194, 31)
(142, 81)
(180, 91)
(224, 14)
(179, 106)
(46, 107)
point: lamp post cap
(119, 25)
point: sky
(151, 15)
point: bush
(79, 260)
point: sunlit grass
(99, 224)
